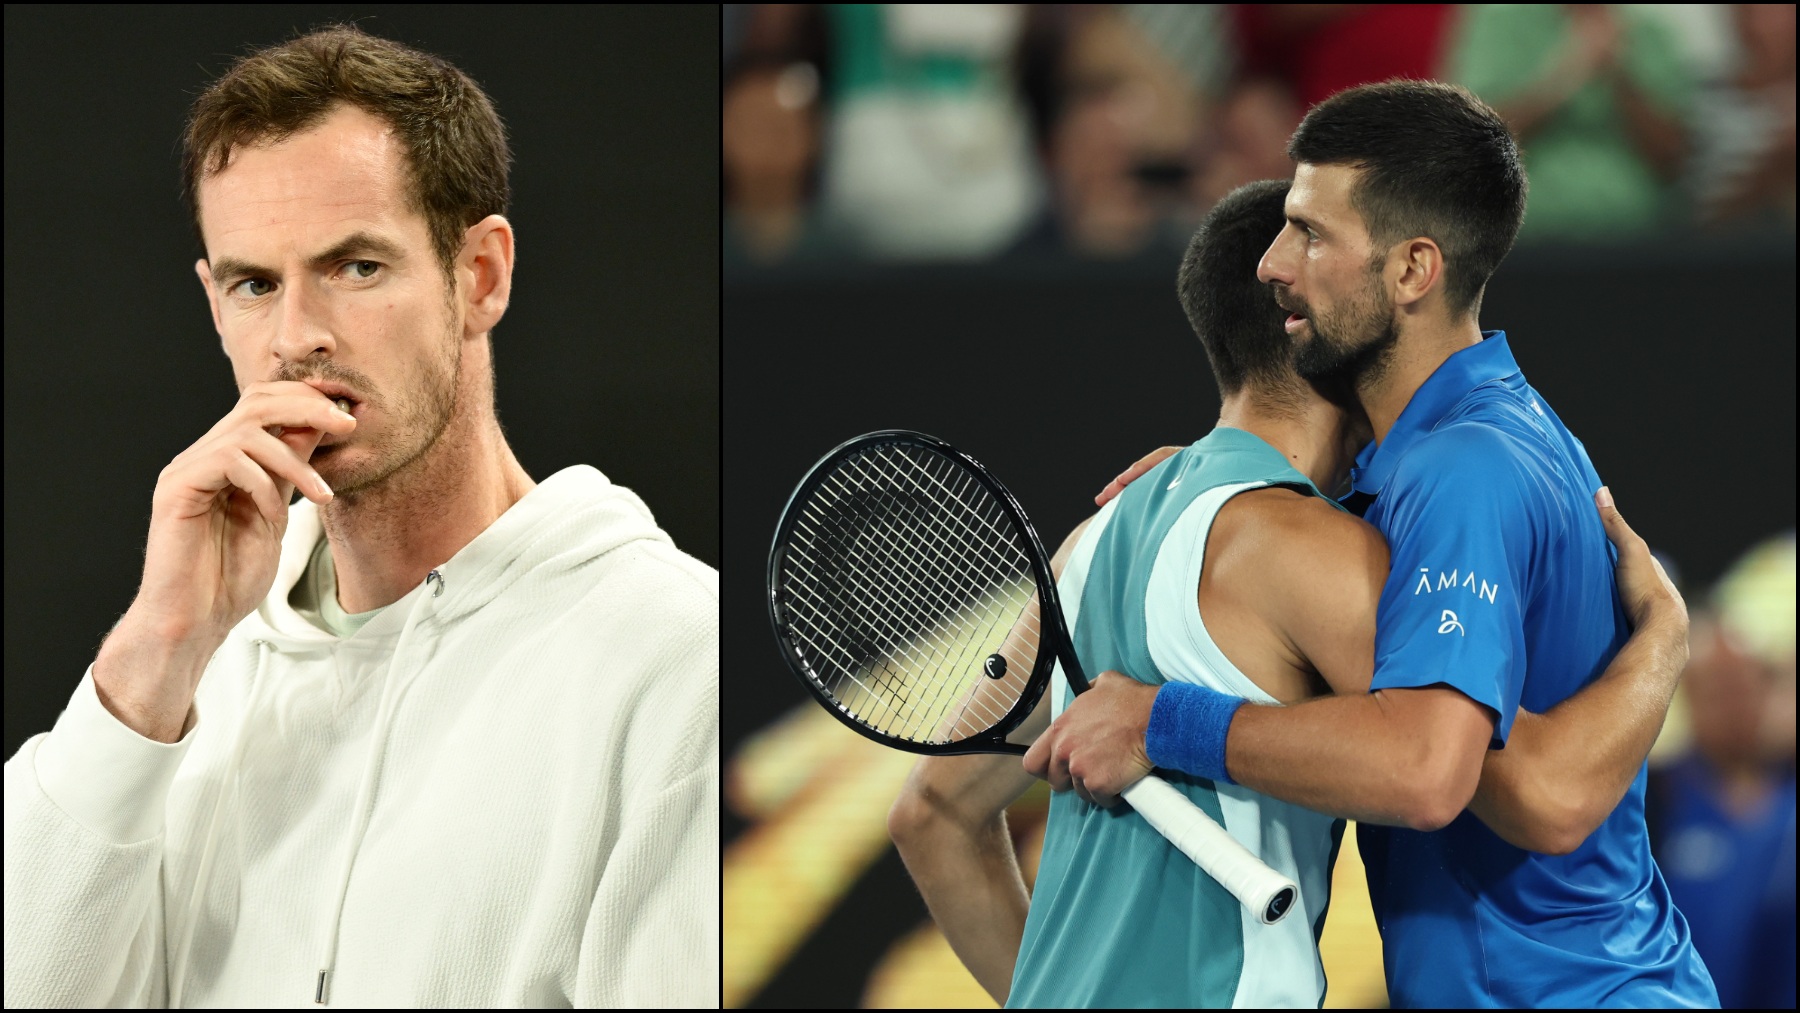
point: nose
(1275, 265)
(301, 327)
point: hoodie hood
(569, 519)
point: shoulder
(650, 580)
(1292, 543)
(1485, 454)
(1312, 572)
(1285, 522)
(1067, 549)
(645, 626)
(652, 614)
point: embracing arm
(1314, 575)
(1406, 757)
(1564, 771)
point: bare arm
(1403, 757)
(1319, 577)
(1407, 757)
(1563, 772)
(949, 825)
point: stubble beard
(414, 427)
(1353, 345)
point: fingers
(1093, 794)
(1113, 488)
(247, 475)
(1057, 770)
(1037, 758)
(303, 440)
(1081, 790)
(1133, 473)
(1644, 586)
(1045, 762)
(1617, 531)
(288, 406)
(280, 460)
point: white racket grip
(1267, 893)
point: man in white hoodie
(435, 735)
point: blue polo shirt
(1502, 588)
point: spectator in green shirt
(1596, 94)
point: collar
(1461, 373)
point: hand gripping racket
(912, 596)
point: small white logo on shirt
(1176, 482)
(1450, 622)
(1453, 580)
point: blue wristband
(1187, 730)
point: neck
(387, 538)
(1422, 348)
(1320, 439)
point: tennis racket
(913, 598)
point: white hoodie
(502, 791)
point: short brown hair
(1233, 313)
(455, 144)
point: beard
(1351, 343)
(407, 423)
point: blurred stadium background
(1004, 190)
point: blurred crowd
(967, 131)
(1720, 803)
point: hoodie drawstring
(365, 791)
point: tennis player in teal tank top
(1119, 917)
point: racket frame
(1269, 895)
(1050, 616)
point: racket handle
(1261, 889)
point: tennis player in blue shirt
(1405, 198)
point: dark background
(1673, 361)
(609, 354)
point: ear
(204, 270)
(1421, 270)
(484, 272)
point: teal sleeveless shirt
(1119, 917)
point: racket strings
(1019, 653)
(903, 576)
(898, 706)
(986, 512)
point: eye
(250, 287)
(362, 270)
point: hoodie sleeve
(652, 935)
(83, 853)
